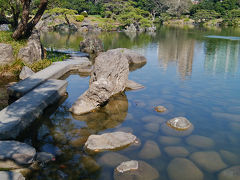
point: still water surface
(193, 73)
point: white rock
(25, 73)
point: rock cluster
(91, 45)
(33, 51)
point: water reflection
(176, 47)
(221, 56)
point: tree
(177, 7)
(205, 15)
(26, 25)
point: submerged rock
(160, 109)
(8, 175)
(183, 169)
(25, 73)
(44, 157)
(208, 160)
(153, 127)
(112, 159)
(230, 157)
(200, 141)
(178, 126)
(169, 140)
(6, 52)
(109, 141)
(90, 164)
(176, 151)
(150, 150)
(17, 151)
(108, 78)
(135, 170)
(232, 173)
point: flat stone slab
(19, 152)
(109, 141)
(55, 71)
(8, 175)
(17, 116)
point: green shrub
(79, 18)
(108, 14)
(84, 13)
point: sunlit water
(192, 75)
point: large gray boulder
(108, 78)
(91, 45)
(109, 141)
(17, 151)
(33, 51)
(132, 56)
(25, 73)
(6, 52)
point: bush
(79, 18)
(107, 14)
(84, 13)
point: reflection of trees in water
(175, 46)
(221, 56)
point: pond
(194, 73)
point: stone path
(55, 71)
(19, 115)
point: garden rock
(17, 151)
(131, 85)
(150, 150)
(200, 141)
(108, 78)
(33, 52)
(232, 173)
(91, 45)
(135, 170)
(112, 159)
(25, 73)
(109, 141)
(183, 169)
(6, 52)
(4, 27)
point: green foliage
(205, 15)
(61, 11)
(79, 18)
(84, 13)
(232, 17)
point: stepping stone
(135, 170)
(150, 150)
(200, 141)
(208, 160)
(232, 173)
(176, 151)
(29, 108)
(17, 151)
(109, 141)
(183, 169)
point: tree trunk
(25, 27)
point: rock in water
(176, 151)
(109, 141)
(6, 52)
(132, 56)
(108, 78)
(17, 151)
(131, 85)
(25, 73)
(160, 109)
(208, 160)
(33, 51)
(91, 46)
(112, 159)
(183, 169)
(179, 126)
(8, 175)
(200, 141)
(232, 173)
(135, 170)
(150, 150)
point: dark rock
(44, 157)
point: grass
(13, 70)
